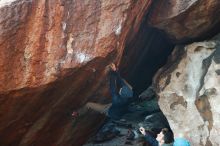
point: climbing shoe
(75, 114)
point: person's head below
(165, 137)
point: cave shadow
(143, 56)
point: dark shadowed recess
(144, 54)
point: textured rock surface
(189, 90)
(185, 19)
(52, 59)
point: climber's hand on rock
(113, 67)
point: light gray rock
(189, 92)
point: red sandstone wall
(52, 59)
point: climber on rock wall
(120, 98)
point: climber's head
(165, 136)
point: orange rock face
(186, 19)
(52, 60)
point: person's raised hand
(142, 130)
(113, 67)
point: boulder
(189, 91)
(52, 60)
(184, 20)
